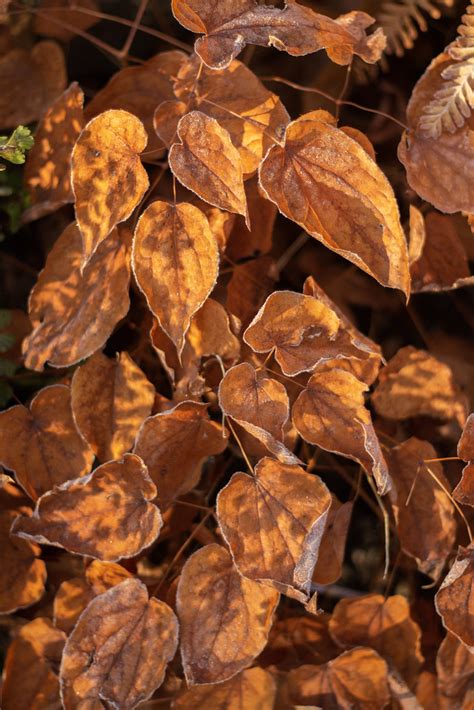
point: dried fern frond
(403, 21)
(452, 104)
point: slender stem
(343, 90)
(444, 458)
(241, 446)
(386, 526)
(453, 501)
(133, 29)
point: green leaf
(14, 147)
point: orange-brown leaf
(466, 442)
(106, 514)
(23, 575)
(224, 617)
(253, 689)
(175, 443)
(110, 400)
(464, 491)
(118, 650)
(383, 624)
(30, 680)
(333, 544)
(235, 97)
(327, 183)
(455, 667)
(229, 25)
(176, 261)
(47, 175)
(273, 523)
(426, 526)
(29, 82)
(454, 599)
(73, 312)
(260, 405)
(440, 169)
(42, 444)
(249, 286)
(108, 178)
(206, 162)
(139, 90)
(355, 679)
(415, 383)
(330, 413)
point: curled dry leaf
(118, 650)
(139, 90)
(39, 74)
(455, 667)
(235, 97)
(175, 443)
(303, 331)
(110, 400)
(454, 598)
(175, 261)
(47, 175)
(224, 617)
(260, 405)
(295, 29)
(426, 526)
(30, 680)
(383, 624)
(23, 574)
(108, 178)
(75, 594)
(56, 18)
(333, 544)
(442, 263)
(464, 491)
(244, 243)
(415, 383)
(206, 162)
(253, 689)
(439, 169)
(355, 679)
(324, 180)
(106, 514)
(293, 639)
(273, 523)
(42, 444)
(73, 312)
(330, 413)
(249, 286)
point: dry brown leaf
(253, 689)
(175, 261)
(454, 599)
(118, 650)
(139, 90)
(442, 263)
(466, 442)
(355, 679)
(327, 183)
(54, 14)
(23, 575)
(206, 162)
(249, 286)
(108, 179)
(110, 400)
(244, 243)
(210, 332)
(455, 667)
(383, 624)
(464, 491)
(74, 313)
(39, 75)
(260, 405)
(330, 413)
(414, 383)
(47, 175)
(75, 594)
(295, 640)
(30, 680)
(426, 526)
(174, 444)
(441, 169)
(303, 331)
(235, 97)
(333, 544)
(224, 617)
(273, 523)
(42, 444)
(229, 25)
(106, 514)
